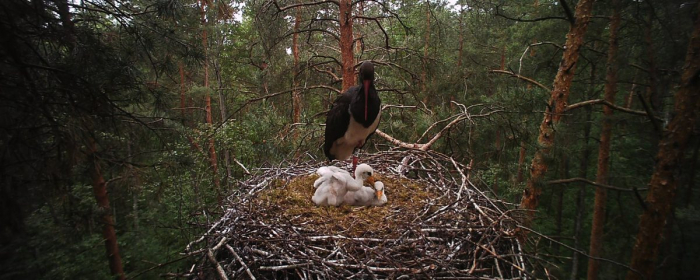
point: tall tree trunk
(521, 162)
(631, 95)
(182, 92)
(346, 43)
(207, 103)
(671, 148)
(557, 104)
(581, 196)
(560, 202)
(99, 188)
(601, 194)
(654, 97)
(296, 95)
(66, 21)
(134, 189)
(693, 163)
(426, 46)
(461, 38)
(223, 113)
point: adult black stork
(353, 118)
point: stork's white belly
(354, 137)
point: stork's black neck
(357, 105)
(365, 103)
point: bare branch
(220, 271)
(302, 4)
(584, 180)
(521, 19)
(398, 142)
(529, 80)
(650, 114)
(424, 147)
(606, 103)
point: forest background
(127, 123)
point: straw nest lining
(436, 224)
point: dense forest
(124, 125)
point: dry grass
(292, 201)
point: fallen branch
(220, 270)
(238, 258)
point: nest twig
(436, 225)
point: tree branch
(529, 80)
(303, 4)
(584, 180)
(521, 19)
(424, 147)
(606, 103)
(650, 114)
(567, 11)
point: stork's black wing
(337, 120)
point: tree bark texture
(207, 103)
(296, 95)
(601, 194)
(99, 188)
(426, 46)
(521, 162)
(346, 43)
(671, 148)
(557, 104)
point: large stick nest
(436, 224)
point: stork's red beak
(366, 86)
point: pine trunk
(671, 148)
(296, 95)
(521, 162)
(207, 104)
(601, 194)
(581, 196)
(223, 113)
(99, 188)
(557, 104)
(346, 43)
(426, 46)
(182, 92)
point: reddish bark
(601, 194)
(673, 143)
(207, 102)
(521, 162)
(296, 96)
(99, 188)
(557, 104)
(182, 92)
(424, 73)
(346, 42)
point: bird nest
(436, 224)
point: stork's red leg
(354, 163)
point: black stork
(353, 118)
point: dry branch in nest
(435, 225)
